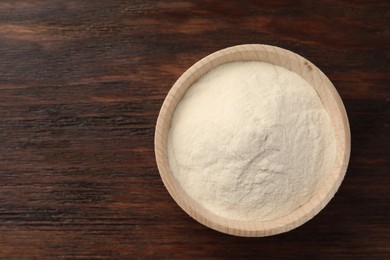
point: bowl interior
(331, 101)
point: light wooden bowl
(331, 101)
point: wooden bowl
(331, 101)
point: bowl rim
(331, 101)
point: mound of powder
(251, 141)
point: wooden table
(81, 85)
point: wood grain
(81, 84)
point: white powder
(251, 141)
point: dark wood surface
(81, 85)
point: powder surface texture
(251, 141)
